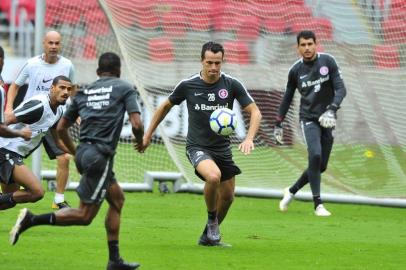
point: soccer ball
(223, 121)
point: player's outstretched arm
(157, 118)
(255, 119)
(137, 129)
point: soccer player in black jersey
(209, 153)
(318, 79)
(101, 108)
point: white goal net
(160, 43)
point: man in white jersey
(40, 71)
(40, 112)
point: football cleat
(321, 211)
(120, 264)
(60, 205)
(287, 198)
(204, 241)
(213, 231)
(22, 223)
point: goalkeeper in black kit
(318, 79)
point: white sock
(59, 197)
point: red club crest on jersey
(223, 93)
(324, 70)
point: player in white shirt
(41, 113)
(4, 130)
(40, 71)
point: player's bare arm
(58, 141)
(11, 96)
(255, 119)
(63, 134)
(24, 133)
(137, 129)
(157, 118)
(6, 132)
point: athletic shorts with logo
(8, 160)
(224, 160)
(95, 163)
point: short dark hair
(109, 62)
(1, 52)
(213, 47)
(60, 78)
(306, 34)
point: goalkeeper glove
(328, 118)
(278, 132)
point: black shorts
(96, 168)
(50, 146)
(224, 160)
(8, 160)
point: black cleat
(60, 205)
(205, 241)
(120, 264)
(23, 222)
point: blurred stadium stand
(246, 25)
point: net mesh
(160, 43)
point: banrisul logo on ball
(223, 93)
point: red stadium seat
(324, 28)
(161, 49)
(297, 13)
(199, 15)
(298, 26)
(5, 5)
(90, 49)
(386, 56)
(51, 12)
(123, 14)
(268, 10)
(275, 25)
(398, 13)
(226, 17)
(174, 24)
(394, 31)
(96, 22)
(237, 52)
(398, 3)
(249, 28)
(72, 10)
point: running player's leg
(312, 134)
(62, 175)
(225, 198)
(327, 141)
(32, 191)
(115, 198)
(10, 188)
(95, 169)
(62, 170)
(211, 173)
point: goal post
(160, 42)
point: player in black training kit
(318, 79)
(101, 107)
(209, 153)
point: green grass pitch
(161, 232)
